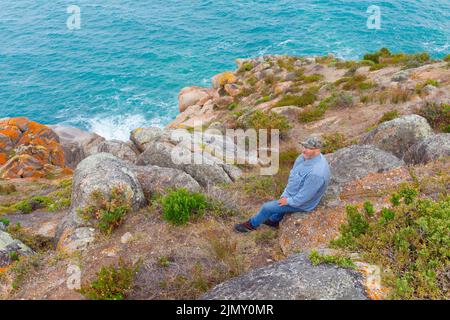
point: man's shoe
(272, 224)
(244, 227)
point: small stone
(126, 238)
(400, 76)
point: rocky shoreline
(298, 96)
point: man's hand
(282, 201)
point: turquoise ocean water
(125, 66)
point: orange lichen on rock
(373, 285)
(3, 158)
(27, 148)
(4, 269)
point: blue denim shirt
(307, 182)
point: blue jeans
(271, 211)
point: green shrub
(384, 57)
(287, 63)
(164, 262)
(246, 66)
(313, 113)
(368, 208)
(358, 81)
(336, 100)
(347, 64)
(179, 206)
(312, 78)
(23, 207)
(447, 58)
(421, 86)
(111, 283)
(263, 99)
(293, 100)
(333, 142)
(438, 115)
(356, 225)
(378, 66)
(232, 106)
(366, 85)
(5, 221)
(375, 57)
(14, 256)
(389, 115)
(317, 258)
(40, 201)
(260, 120)
(108, 212)
(410, 241)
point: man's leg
(271, 211)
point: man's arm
(311, 186)
(296, 163)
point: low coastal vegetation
(108, 212)
(180, 206)
(437, 114)
(388, 116)
(383, 58)
(408, 239)
(112, 282)
(316, 258)
(58, 199)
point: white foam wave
(119, 126)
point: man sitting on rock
(308, 181)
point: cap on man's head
(312, 142)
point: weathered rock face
(154, 179)
(355, 162)
(141, 137)
(164, 154)
(77, 144)
(122, 150)
(9, 246)
(28, 149)
(431, 148)
(189, 153)
(101, 172)
(398, 135)
(191, 96)
(292, 279)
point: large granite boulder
(431, 148)
(206, 171)
(141, 137)
(101, 172)
(122, 150)
(10, 246)
(200, 155)
(292, 279)
(154, 179)
(355, 162)
(398, 135)
(28, 149)
(77, 144)
(190, 96)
